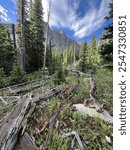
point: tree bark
(23, 65)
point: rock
(93, 113)
(60, 40)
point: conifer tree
(83, 60)
(37, 35)
(107, 47)
(93, 54)
(6, 50)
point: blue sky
(80, 19)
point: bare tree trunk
(23, 65)
(14, 37)
(46, 40)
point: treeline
(22, 47)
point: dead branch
(76, 136)
(52, 123)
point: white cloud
(64, 14)
(3, 14)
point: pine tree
(107, 47)
(6, 50)
(83, 61)
(93, 54)
(37, 36)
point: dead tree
(23, 63)
(14, 37)
(46, 39)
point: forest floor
(94, 133)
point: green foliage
(93, 54)
(52, 104)
(33, 34)
(59, 71)
(17, 76)
(104, 84)
(2, 78)
(107, 47)
(59, 143)
(83, 61)
(6, 49)
(37, 36)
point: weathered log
(10, 126)
(26, 90)
(12, 123)
(27, 143)
(52, 121)
(48, 94)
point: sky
(80, 19)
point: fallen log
(26, 90)
(52, 120)
(14, 121)
(48, 94)
(26, 143)
(10, 126)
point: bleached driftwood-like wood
(26, 90)
(76, 136)
(52, 123)
(3, 100)
(92, 112)
(12, 123)
(48, 94)
(27, 143)
(10, 126)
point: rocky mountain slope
(60, 40)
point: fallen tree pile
(13, 126)
(13, 122)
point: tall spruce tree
(93, 54)
(83, 60)
(6, 50)
(37, 36)
(107, 47)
